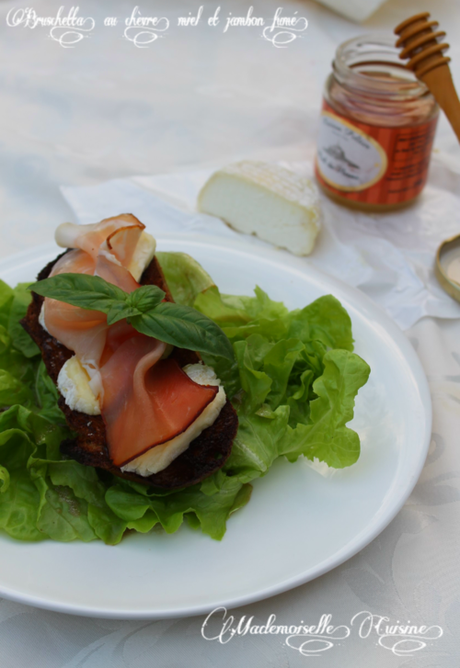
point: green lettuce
(293, 382)
(186, 278)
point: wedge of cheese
(266, 200)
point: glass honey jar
(376, 129)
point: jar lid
(447, 268)
(371, 63)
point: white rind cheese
(143, 255)
(41, 317)
(158, 458)
(74, 384)
(266, 200)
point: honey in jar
(376, 130)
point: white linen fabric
(105, 110)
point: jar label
(371, 164)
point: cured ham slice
(90, 238)
(78, 329)
(123, 242)
(147, 401)
(114, 273)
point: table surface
(106, 109)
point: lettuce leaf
(210, 512)
(185, 277)
(6, 299)
(325, 435)
(20, 339)
(293, 382)
(24, 503)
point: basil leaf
(145, 298)
(181, 326)
(184, 327)
(90, 292)
(119, 311)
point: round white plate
(298, 524)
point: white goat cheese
(266, 200)
(143, 255)
(73, 383)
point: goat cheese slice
(143, 255)
(74, 384)
(266, 200)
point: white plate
(298, 524)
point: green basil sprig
(181, 326)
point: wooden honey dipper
(420, 42)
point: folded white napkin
(356, 10)
(388, 256)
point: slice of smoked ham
(90, 238)
(78, 329)
(114, 273)
(147, 401)
(123, 241)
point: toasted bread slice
(205, 454)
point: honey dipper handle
(421, 43)
(439, 81)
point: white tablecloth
(106, 109)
